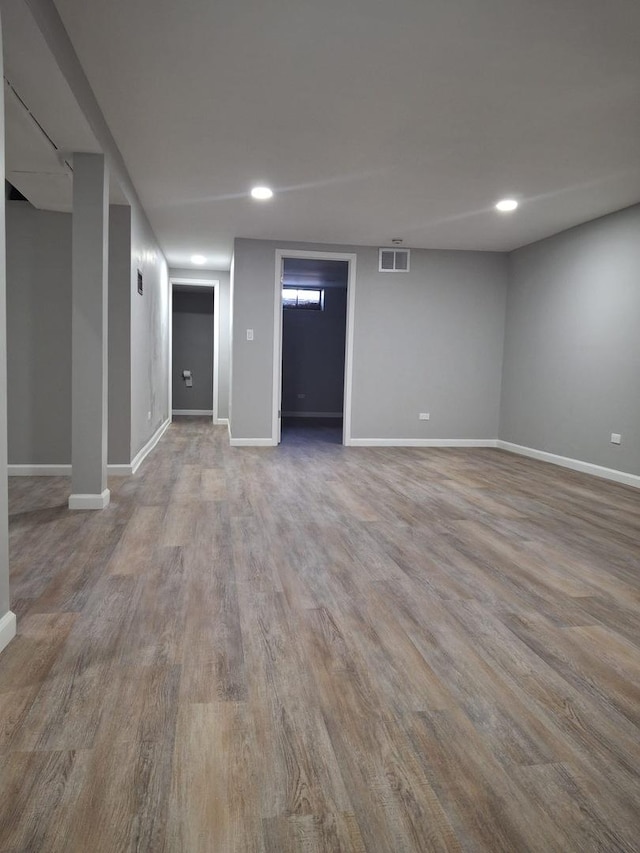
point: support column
(89, 387)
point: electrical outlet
(249, 334)
(424, 416)
(616, 438)
(148, 416)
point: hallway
(319, 648)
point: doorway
(313, 345)
(193, 368)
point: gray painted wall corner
(572, 349)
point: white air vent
(393, 260)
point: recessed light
(506, 205)
(261, 193)
(199, 260)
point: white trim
(423, 442)
(222, 422)
(114, 470)
(252, 442)
(90, 501)
(142, 454)
(348, 357)
(119, 470)
(8, 627)
(397, 250)
(192, 412)
(351, 259)
(214, 284)
(574, 464)
(276, 417)
(216, 351)
(39, 470)
(311, 414)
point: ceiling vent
(393, 260)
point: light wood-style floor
(322, 648)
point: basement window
(305, 298)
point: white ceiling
(371, 119)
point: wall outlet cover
(616, 438)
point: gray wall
(149, 334)
(223, 326)
(4, 511)
(193, 349)
(119, 334)
(38, 335)
(572, 344)
(313, 347)
(429, 340)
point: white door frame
(351, 258)
(198, 282)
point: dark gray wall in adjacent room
(193, 349)
(313, 353)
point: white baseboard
(221, 421)
(90, 501)
(311, 414)
(7, 629)
(116, 470)
(252, 442)
(119, 470)
(193, 412)
(422, 442)
(574, 464)
(39, 470)
(142, 454)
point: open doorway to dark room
(192, 348)
(314, 317)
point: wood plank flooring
(318, 648)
